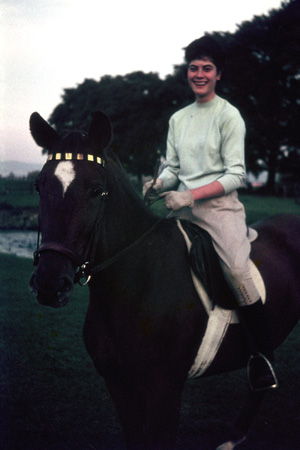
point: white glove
(151, 191)
(175, 200)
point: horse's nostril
(65, 284)
(64, 288)
(60, 296)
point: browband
(75, 156)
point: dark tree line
(262, 78)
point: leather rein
(85, 264)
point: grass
(20, 199)
(257, 206)
(53, 399)
(51, 395)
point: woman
(204, 168)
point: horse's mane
(120, 174)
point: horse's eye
(96, 192)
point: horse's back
(276, 252)
(281, 233)
(281, 225)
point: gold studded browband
(75, 157)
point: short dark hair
(206, 46)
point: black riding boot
(260, 371)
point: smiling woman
(202, 78)
(205, 165)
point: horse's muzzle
(53, 281)
(56, 297)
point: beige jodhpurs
(224, 219)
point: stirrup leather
(266, 371)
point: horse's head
(72, 188)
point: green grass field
(53, 399)
(18, 193)
(20, 200)
(51, 396)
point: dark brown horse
(144, 322)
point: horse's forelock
(73, 142)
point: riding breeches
(224, 219)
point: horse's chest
(100, 344)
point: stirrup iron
(273, 383)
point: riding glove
(175, 200)
(151, 191)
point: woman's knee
(235, 274)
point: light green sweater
(205, 143)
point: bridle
(83, 263)
(85, 267)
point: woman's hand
(175, 200)
(151, 190)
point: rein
(86, 269)
(134, 244)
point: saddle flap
(206, 266)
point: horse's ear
(100, 131)
(43, 134)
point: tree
(263, 80)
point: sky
(49, 45)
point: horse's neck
(125, 220)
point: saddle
(214, 292)
(205, 264)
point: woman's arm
(175, 200)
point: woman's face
(202, 78)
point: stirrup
(265, 372)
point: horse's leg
(162, 407)
(131, 412)
(245, 419)
(149, 415)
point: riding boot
(261, 375)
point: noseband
(83, 266)
(81, 269)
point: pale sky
(49, 45)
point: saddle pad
(218, 321)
